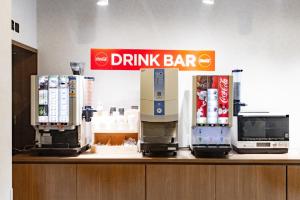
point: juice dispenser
(211, 115)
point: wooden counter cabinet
(293, 182)
(110, 181)
(44, 181)
(178, 182)
(248, 182)
(134, 177)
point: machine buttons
(159, 108)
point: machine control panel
(159, 91)
(159, 84)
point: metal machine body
(60, 115)
(260, 133)
(159, 111)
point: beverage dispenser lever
(88, 113)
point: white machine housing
(57, 104)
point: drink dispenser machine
(159, 111)
(211, 115)
(61, 113)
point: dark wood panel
(293, 182)
(24, 46)
(111, 182)
(250, 182)
(24, 64)
(44, 182)
(178, 182)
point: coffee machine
(61, 113)
(211, 116)
(159, 111)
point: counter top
(183, 157)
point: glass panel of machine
(254, 128)
(266, 128)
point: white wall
(262, 37)
(5, 100)
(24, 13)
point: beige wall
(24, 13)
(5, 100)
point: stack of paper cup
(212, 106)
(201, 107)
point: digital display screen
(264, 144)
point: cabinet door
(293, 182)
(250, 182)
(111, 182)
(44, 182)
(178, 182)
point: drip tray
(159, 149)
(59, 151)
(214, 151)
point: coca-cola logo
(204, 60)
(101, 59)
(223, 90)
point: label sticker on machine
(64, 99)
(53, 96)
(72, 86)
(43, 83)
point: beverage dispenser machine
(61, 113)
(211, 115)
(159, 111)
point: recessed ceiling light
(102, 2)
(208, 2)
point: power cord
(26, 149)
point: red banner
(134, 59)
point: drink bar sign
(134, 59)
